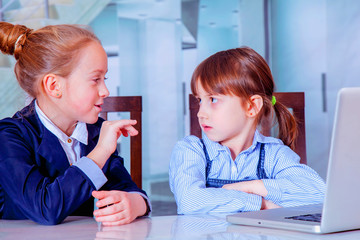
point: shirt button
(233, 169)
(69, 140)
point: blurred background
(154, 45)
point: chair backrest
(132, 104)
(292, 100)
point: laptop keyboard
(307, 217)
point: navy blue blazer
(36, 180)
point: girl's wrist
(141, 202)
(98, 156)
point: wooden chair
(133, 105)
(292, 100)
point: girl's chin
(212, 137)
(92, 120)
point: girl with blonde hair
(56, 155)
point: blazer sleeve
(30, 192)
(118, 177)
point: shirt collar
(259, 138)
(80, 132)
(214, 148)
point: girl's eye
(214, 100)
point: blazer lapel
(51, 150)
(93, 136)
(49, 146)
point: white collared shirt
(71, 145)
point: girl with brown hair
(234, 167)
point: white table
(164, 227)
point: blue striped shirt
(290, 183)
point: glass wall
(315, 49)
(298, 62)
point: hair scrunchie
(273, 100)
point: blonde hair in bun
(51, 49)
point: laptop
(341, 208)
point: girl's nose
(202, 114)
(103, 91)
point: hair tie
(18, 39)
(273, 100)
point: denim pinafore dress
(218, 183)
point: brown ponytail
(51, 49)
(288, 129)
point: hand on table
(118, 207)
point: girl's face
(84, 90)
(222, 117)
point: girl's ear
(255, 105)
(52, 85)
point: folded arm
(188, 183)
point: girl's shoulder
(276, 148)
(195, 142)
(279, 151)
(190, 147)
(194, 146)
(188, 151)
(258, 137)
(189, 142)
(22, 120)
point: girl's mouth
(98, 106)
(206, 127)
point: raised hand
(109, 133)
